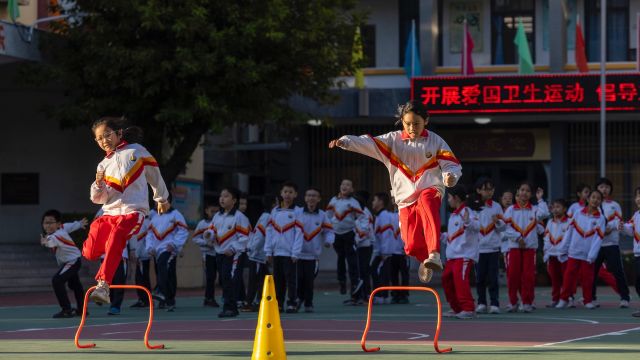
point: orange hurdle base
(403, 288)
(146, 333)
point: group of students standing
(578, 241)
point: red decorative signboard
(526, 93)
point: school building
(543, 127)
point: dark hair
(604, 180)
(414, 106)
(482, 182)
(362, 197)
(562, 202)
(474, 201)
(582, 186)
(53, 213)
(314, 188)
(235, 194)
(384, 197)
(459, 191)
(290, 184)
(131, 134)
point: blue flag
(412, 54)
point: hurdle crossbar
(146, 333)
(403, 288)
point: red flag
(581, 57)
(467, 49)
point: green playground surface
(333, 331)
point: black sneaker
(292, 309)
(77, 312)
(246, 308)
(64, 314)
(158, 296)
(171, 308)
(348, 302)
(228, 313)
(211, 303)
(343, 288)
(139, 304)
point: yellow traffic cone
(269, 340)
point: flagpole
(603, 85)
(465, 71)
(413, 46)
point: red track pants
(420, 225)
(578, 270)
(108, 235)
(455, 280)
(605, 275)
(556, 269)
(521, 275)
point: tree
(181, 68)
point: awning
(18, 43)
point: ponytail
(130, 134)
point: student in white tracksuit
(56, 237)
(208, 255)
(313, 231)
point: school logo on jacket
(133, 157)
(428, 154)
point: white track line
(620, 332)
(415, 337)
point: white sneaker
(520, 307)
(590, 306)
(511, 308)
(596, 303)
(562, 304)
(624, 304)
(481, 308)
(571, 303)
(466, 315)
(494, 310)
(450, 314)
(426, 269)
(527, 308)
(101, 293)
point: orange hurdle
(403, 288)
(146, 333)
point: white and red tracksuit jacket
(398, 245)
(229, 231)
(139, 245)
(313, 230)
(490, 238)
(281, 231)
(365, 235)
(256, 240)
(575, 208)
(128, 169)
(584, 237)
(613, 213)
(343, 213)
(165, 229)
(524, 222)
(632, 228)
(462, 238)
(65, 249)
(414, 165)
(198, 238)
(554, 238)
(385, 234)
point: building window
(505, 15)
(20, 189)
(617, 30)
(369, 45)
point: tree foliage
(181, 68)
